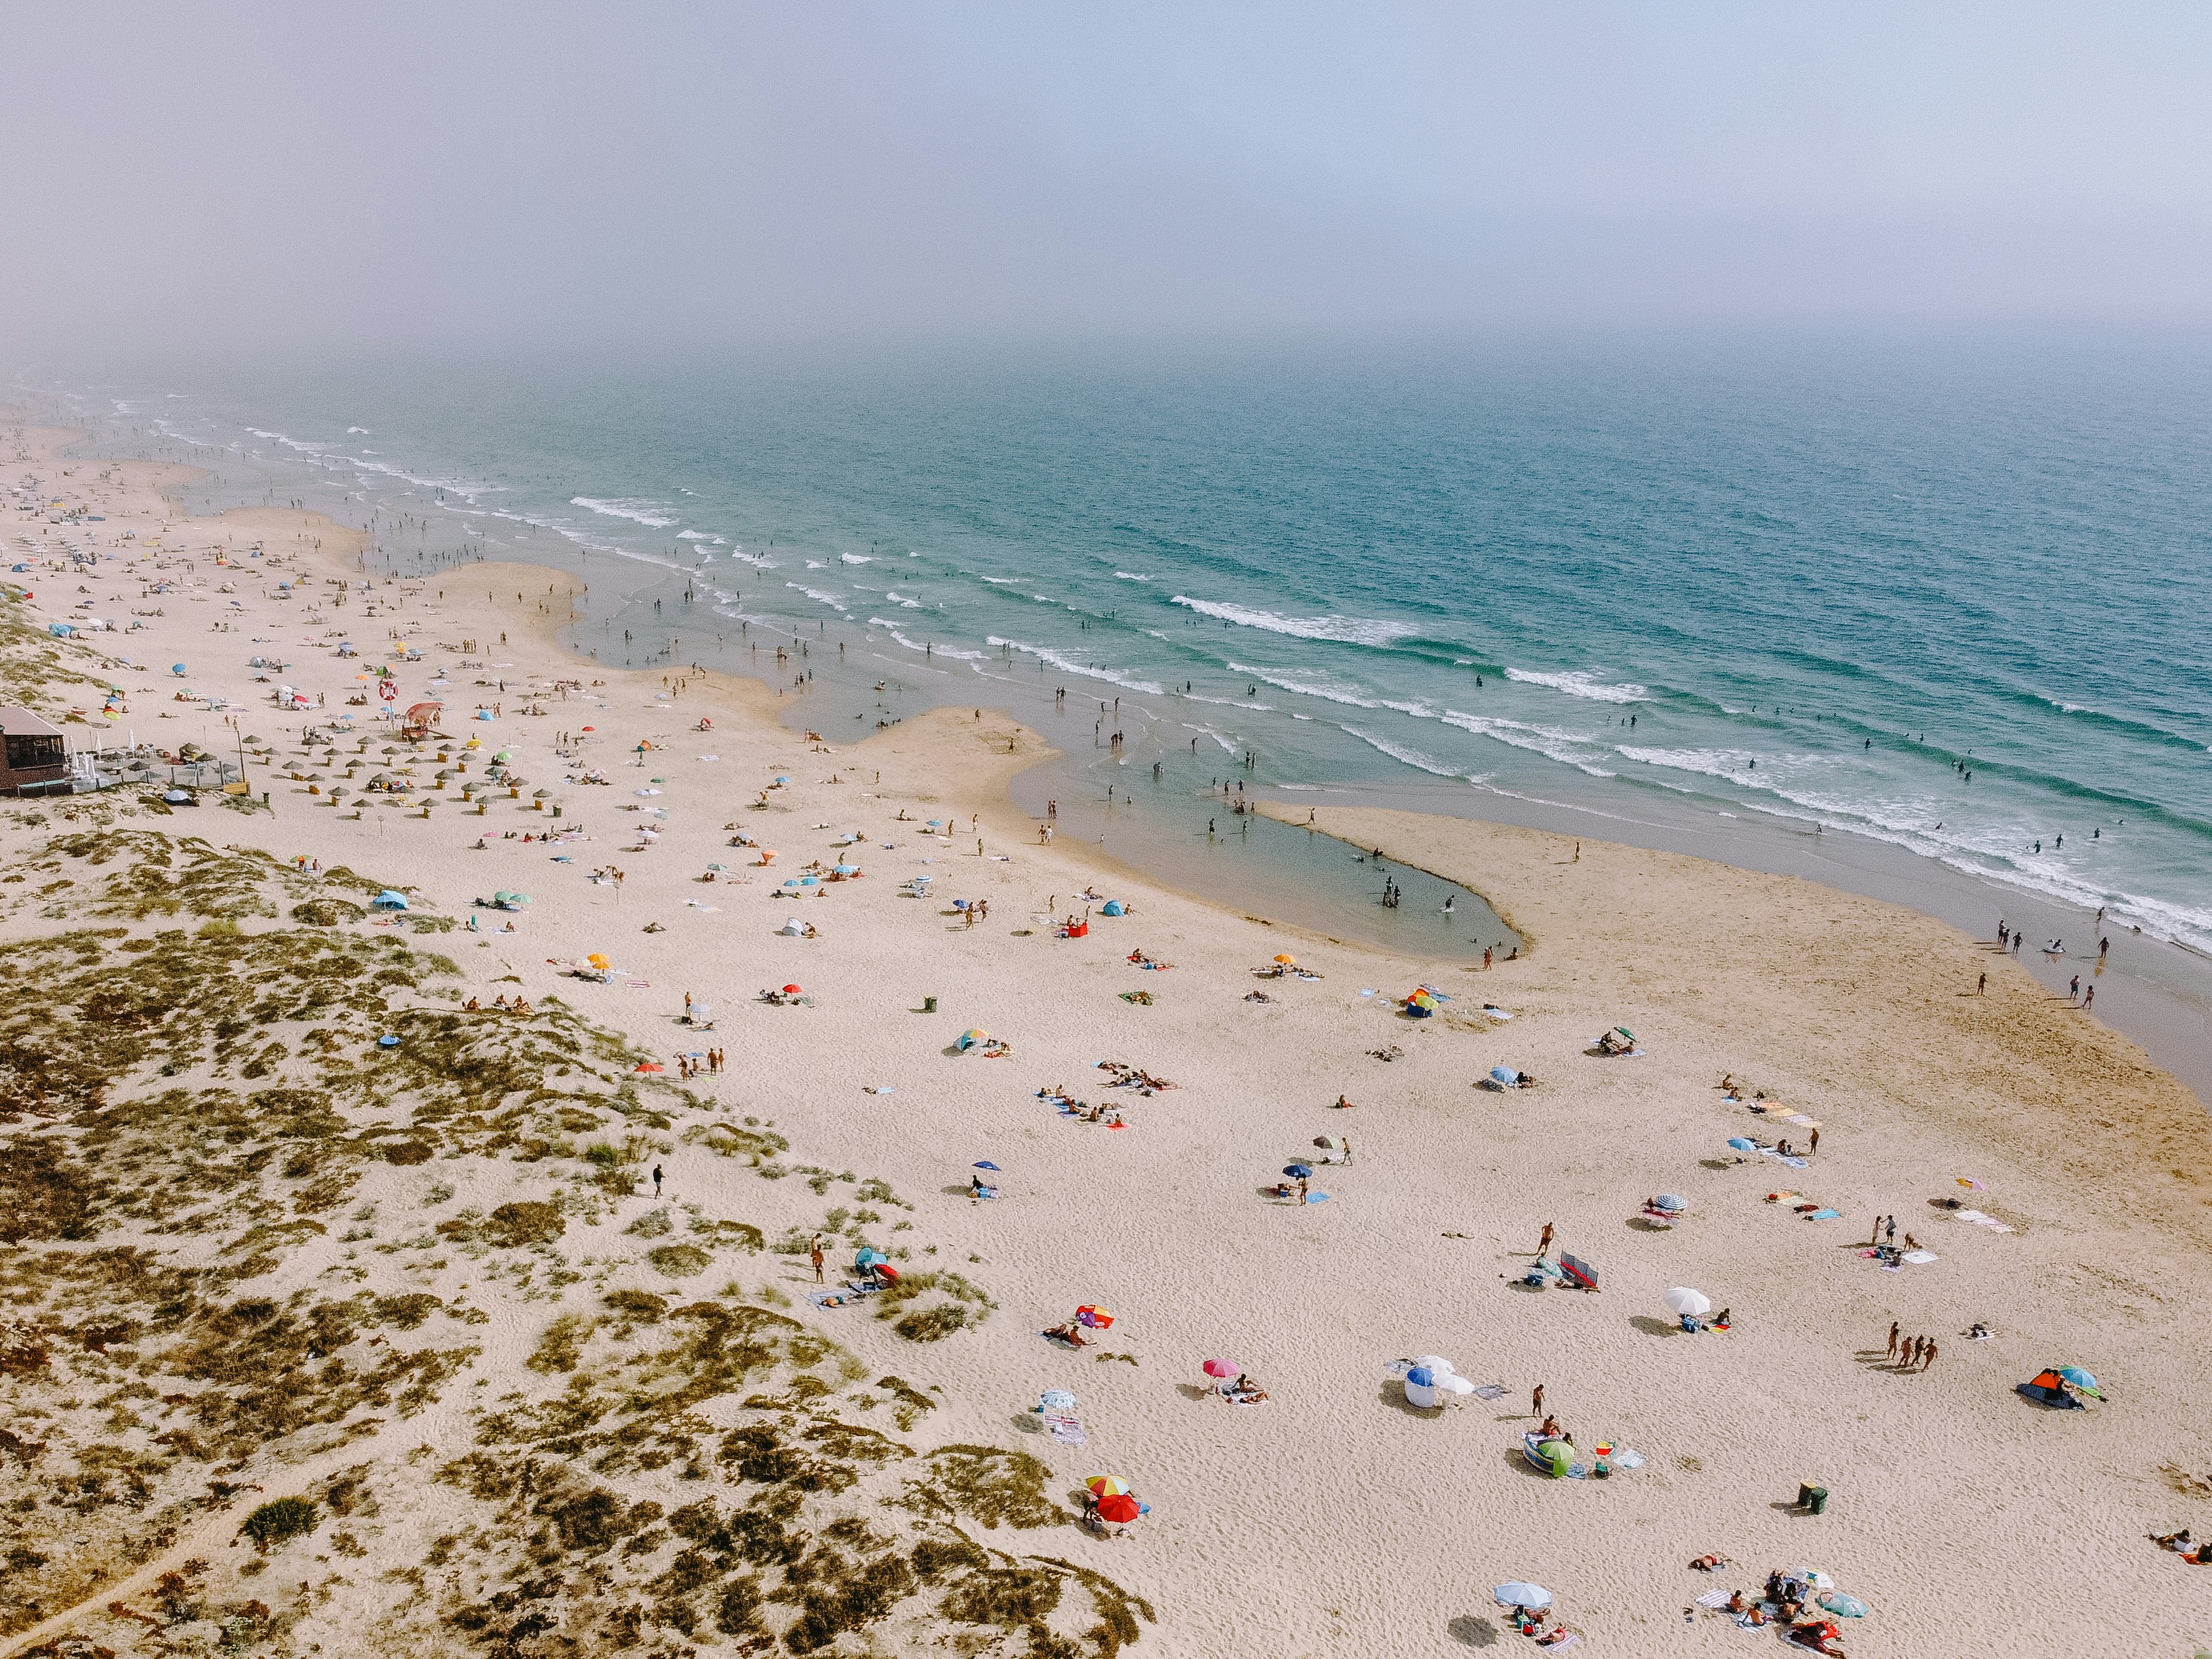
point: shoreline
(1844, 1012)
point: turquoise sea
(1951, 594)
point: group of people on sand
(517, 1006)
(1126, 1076)
(688, 1068)
(2196, 1554)
(1057, 1093)
(1785, 1600)
(1911, 1353)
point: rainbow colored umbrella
(1107, 1485)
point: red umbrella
(884, 1270)
(791, 990)
(1120, 1508)
(650, 1065)
(1222, 1368)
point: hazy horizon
(669, 178)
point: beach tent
(388, 900)
(1097, 1318)
(2049, 1389)
(1578, 1272)
(1421, 1390)
(1553, 1457)
(1111, 907)
(868, 1256)
(792, 929)
(1420, 1006)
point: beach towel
(1715, 1598)
(1824, 1215)
(1065, 1429)
(1491, 1391)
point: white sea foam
(652, 514)
(932, 649)
(820, 598)
(1129, 576)
(1069, 666)
(698, 535)
(1569, 748)
(1329, 691)
(1411, 757)
(858, 558)
(1345, 630)
(1579, 682)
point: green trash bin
(1812, 1498)
(929, 1005)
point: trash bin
(929, 1005)
(1812, 1498)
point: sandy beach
(525, 1313)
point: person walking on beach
(2088, 997)
(1928, 1354)
(1537, 1400)
(1544, 1245)
(1892, 1338)
(656, 1181)
(2074, 990)
(1982, 985)
(814, 1255)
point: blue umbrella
(985, 1163)
(1743, 1144)
(1843, 1606)
(1504, 1074)
(1668, 1201)
(1056, 1400)
(1298, 1172)
(387, 1042)
(1421, 1377)
(2078, 1377)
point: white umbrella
(1688, 1303)
(1518, 1595)
(1453, 1382)
(1436, 1363)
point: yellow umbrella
(1288, 962)
(1106, 1485)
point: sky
(611, 178)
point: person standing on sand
(1889, 1230)
(1981, 985)
(1928, 1354)
(1537, 1400)
(2074, 990)
(656, 1181)
(814, 1255)
(1875, 1237)
(1544, 1245)
(2088, 997)
(1815, 1146)
(1893, 1339)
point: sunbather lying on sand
(1070, 1334)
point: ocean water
(1951, 594)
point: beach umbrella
(1452, 1383)
(844, 869)
(1298, 1172)
(1517, 1595)
(968, 1039)
(782, 779)
(1742, 1145)
(1097, 1318)
(985, 1163)
(651, 1066)
(1107, 1485)
(2080, 1378)
(1434, 1362)
(1688, 1303)
(1843, 1606)
(791, 990)
(1504, 1074)
(1817, 1579)
(1119, 1508)
(1287, 961)
(1625, 1032)
(1056, 1400)
(1222, 1368)
(1668, 1201)
(868, 1256)
(599, 962)
(1421, 1376)
(935, 824)
(1329, 1143)
(387, 1041)
(883, 1270)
